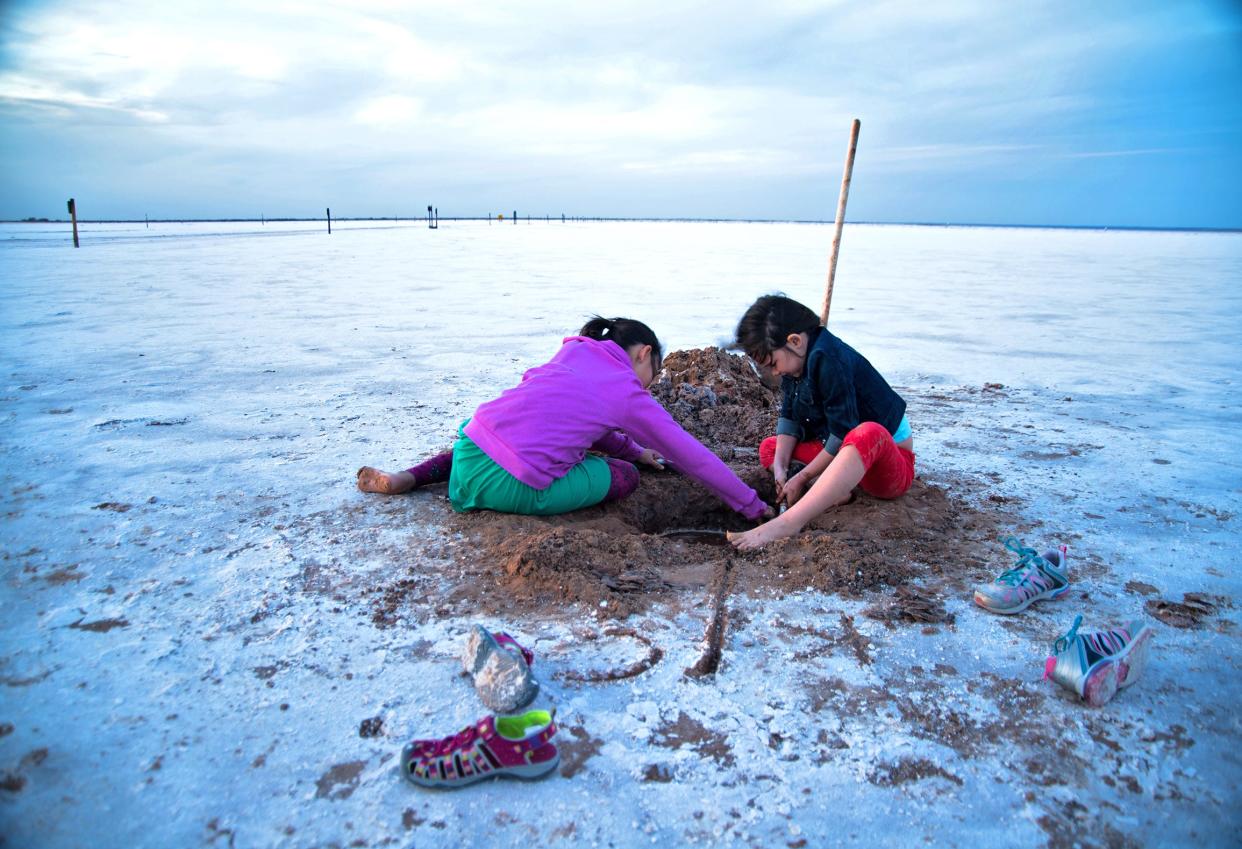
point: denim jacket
(838, 391)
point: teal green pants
(477, 482)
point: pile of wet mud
(620, 558)
(720, 398)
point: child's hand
(793, 489)
(651, 458)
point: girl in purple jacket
(526, 451)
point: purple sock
(624, 479)
(435, 470)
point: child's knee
(868, 439)
(767, 452)
(624, 479)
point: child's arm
(785, 444)
(652, 425)
(838, 398)
(788, 432)
(616, 443)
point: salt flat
(189, 642)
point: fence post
(73, 213)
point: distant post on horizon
(329, 209)
(836, 233)
(73, 214)
(515, 216)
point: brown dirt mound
(718, 397)
(616, 560)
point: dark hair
(765, 327)
(626, 332)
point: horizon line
(595, 218)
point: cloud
(20, 91)
(1108, 154)
(595, 95)
(390, 110)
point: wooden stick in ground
(73, 213)
(836, 235)
(713, 639)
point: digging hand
(793, 489)
(651, 458)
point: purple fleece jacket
(588, 397)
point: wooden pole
(73, 213)
(329, 209)
(709, 662)
(836, 234)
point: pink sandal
(496, 746)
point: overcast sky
(1101, 113)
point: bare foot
(373, 480)
(762, 535)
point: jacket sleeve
(788, 424)
(838, 398)
(652, 426)
(617, 443)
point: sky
(1037, 113)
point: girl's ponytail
(626, 332)
(598, 328)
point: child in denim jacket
(838, 416)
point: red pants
(889, 469)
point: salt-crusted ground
(211, 638)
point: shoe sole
(527, 772)
(1051, 594)
(1119, 672)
